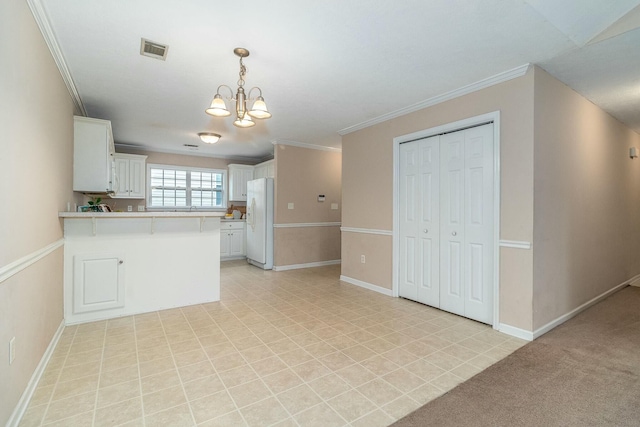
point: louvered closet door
(419, 222)
(446, 222)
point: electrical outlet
(140, 208)
(12, 350)
(289, 205)
(129, 208)
(334, 206)
(363, 259)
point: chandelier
(244, 117)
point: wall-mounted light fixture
(243, 119)
(209, 137)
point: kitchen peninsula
(122, 263)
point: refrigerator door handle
(250, 218)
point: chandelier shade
(259, 110)
(218, 107)
(245, 122)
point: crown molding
(464, 90)
(146, 149)
(305, 145)
(42, 20)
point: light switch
(289, 205)
(334, 206)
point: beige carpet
(586, 372)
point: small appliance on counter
(235, 212)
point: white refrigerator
(260, 222)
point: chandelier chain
(243, 72)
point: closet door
(419, 220)
(479, 226)
(466, 230)
(452, 222)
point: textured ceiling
(330, 65)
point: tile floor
(295, 348)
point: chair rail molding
(366, 231)
(17, 266)
(307, 224)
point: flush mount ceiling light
(243, 119)
(209, 137)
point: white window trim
(188, 169)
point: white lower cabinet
(98, 282)
(232, 244)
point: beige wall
(36, 118)
(587, 201)
(584, 224)
(368, 188)
(301, 175)
(378, 252)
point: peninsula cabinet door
(98, 282)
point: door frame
(493, 117)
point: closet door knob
(454, 234)
(426, 231)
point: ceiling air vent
(192, 147)
(153, 49)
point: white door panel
(419, 218)
(408, 228)
(479, 233)
(451, 227)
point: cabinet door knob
(120, 262)
(426, 231)
(454, 234)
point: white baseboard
(560, 320)
(515, 332)
(21, 407)
(371, 287)
(232, 258)
(307, 265)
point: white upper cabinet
(93, 150)
(239, 175)
(264, 170)
(130, 174)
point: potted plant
(94, 204)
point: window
(182, 187)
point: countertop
(145, 214)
